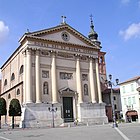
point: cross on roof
(63, 19)
(91, 16)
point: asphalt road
(129, 131)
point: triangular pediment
(66, 89)
(64, 34)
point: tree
(14, 109)
(3, 110)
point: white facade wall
(130, 98)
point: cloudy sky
(117, 23)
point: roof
(37, 34)
(130, 80)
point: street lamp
(53, 110)
(110, 84)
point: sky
(117, 23)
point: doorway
(68, 109)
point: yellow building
(60, 68)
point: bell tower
(93, 36)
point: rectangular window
(129, 101)
(45, 74)
(134, 100)
(125, 101)
(66, 76)
(123, 88)
(132, 87)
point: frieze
(44, 53)
(59, 47)
(65, 55)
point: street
(125, 131)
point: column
(24, 77)
(98, 82)
(29, 77)
(92, 82)
(54, 81)
(37, 68)
(78, 80)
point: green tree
(3, 110)
(14, 109)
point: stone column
(29, 77)
(92, 82)
(37, 68)
(78, 80)
(54, 81)
(24, 78)
(98, 82)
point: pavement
(125, 131)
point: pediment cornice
(39, 39)
(38, 34)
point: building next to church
(60, 68)
(117, 103)
(130, 99)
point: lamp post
(52, 109)
(110, 84)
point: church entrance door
(68, 109)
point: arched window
(18, 91)
(21, 70)
(85, 89)
(101, 59)
(45, 88)
(12, 77)
(5, 82)
(9, 96)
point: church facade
(56, 72)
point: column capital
(78, 56)
(38, 52)
(24, 53)
(28, 51)
(53, 52)
(91, 58)
(96, 59)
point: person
(75, 122)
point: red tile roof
(130, 80)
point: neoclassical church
(56, 73)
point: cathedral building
(56, 71)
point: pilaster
(98, 81)
(29, 77)
(78, 79)
(53, 75)
(24, 77)
(92, 82)
(37, 68)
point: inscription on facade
(52, 46)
